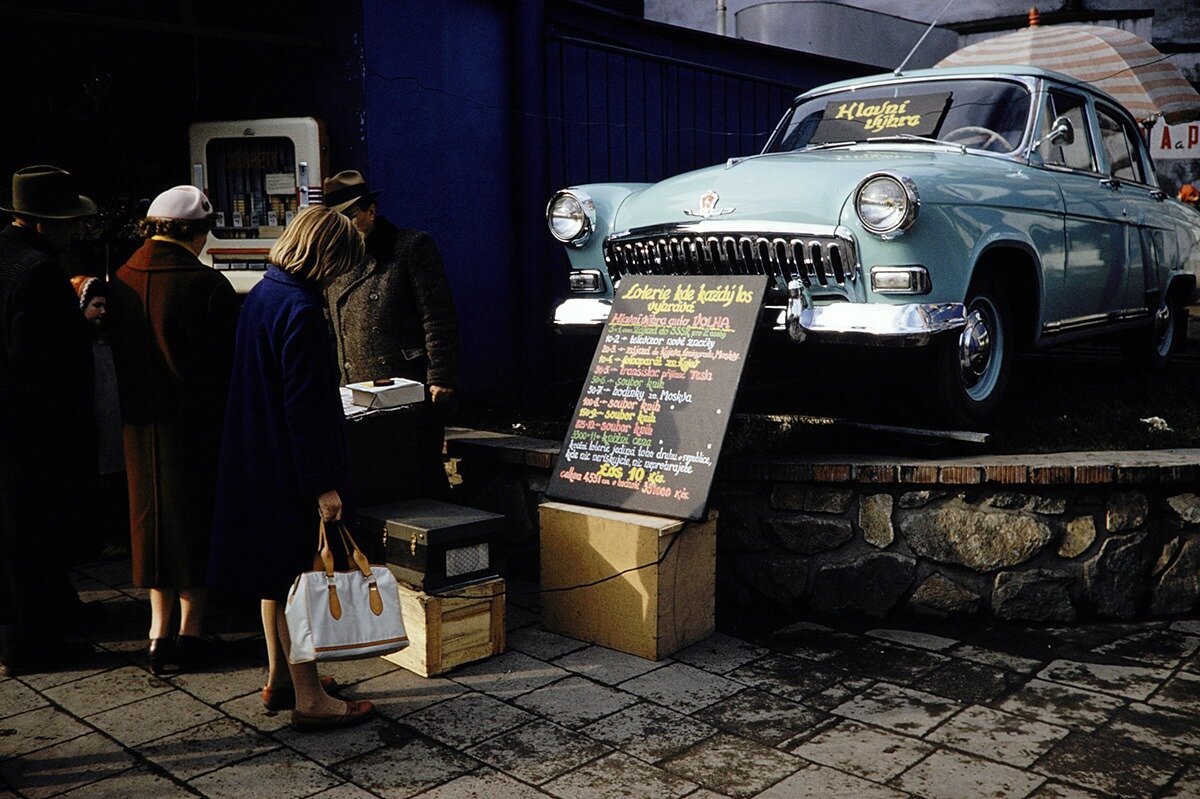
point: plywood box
(651, 612)
(460, 625)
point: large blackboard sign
(648, 428)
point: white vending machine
(257, 173)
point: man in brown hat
(394, 315)
(46, 451)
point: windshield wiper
(827, 145)
(915, 137)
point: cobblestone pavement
(808, 711)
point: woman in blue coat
(284, 463)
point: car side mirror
(1061, 132)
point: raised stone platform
(1037, 538)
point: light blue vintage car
(976, 212)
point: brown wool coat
(394, 315)
(174, 321)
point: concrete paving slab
(107, 690)
(733, 766)
(1054, 790)
(863, 750)
(335, 746)
(967, 681)
(155, 717)
(681, 687)
(953, 775)
(508, 675)
(399, 692)
(649, 732)
(1054, 703)
(137, 783)
(618, 775)
(1129, 770)
(466, 720)
(761, 717)
(1186, 786)
(899, 709)
(37, 729)
(720, 654)
(1180, 693)
(882, 660)
(787, 676)
(920, 640)
(575, 701)
(1128, 682)
(820, 782)
(1157, 728)
(1165, 649)
(989, 733)
(249, 710)
(838, 693)
(605, 665)
(66, 766)
(403, 771)
(289, 777)
(222, 684)
(102, 661)
(538, 752)
(16, 697)
(811, 641)
(542, 644)
(206, 748)
(991, 657)
(1187, 626)
(344, 791)
(485, 783)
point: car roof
(1014, 70)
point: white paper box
(400, 392)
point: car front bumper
(870, 324)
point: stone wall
(1051, 538)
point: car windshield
(980, 114)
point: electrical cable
(560, 589)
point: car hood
(805, 188)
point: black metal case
(431, 544)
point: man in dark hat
(47, 454)
(394, 315)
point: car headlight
(887, 203)
(571, 216)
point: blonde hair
(318, 244)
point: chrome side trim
(1094, 320)
(582, 314)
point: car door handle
(1110, 183)
(1158, 194)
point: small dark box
(431, 544)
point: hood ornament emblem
(708, 206)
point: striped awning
(1119, 62)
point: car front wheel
(971, 367)
(1164, 338)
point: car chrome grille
(818, 260)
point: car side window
(1077, 154)
(1123, 161)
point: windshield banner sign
(859, 120)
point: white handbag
(343, 615)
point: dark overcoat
(174, 320)
(394, 315)
(47, 455)
(284, 442)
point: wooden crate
(651, 612)
(460, 625)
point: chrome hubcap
(974, 348)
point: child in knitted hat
(113, 500)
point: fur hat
(88, 288)
(180, 202)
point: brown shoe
(284, 697)
(356, 713)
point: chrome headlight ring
(571, 217)
(895, 203)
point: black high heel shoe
(161, 653)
